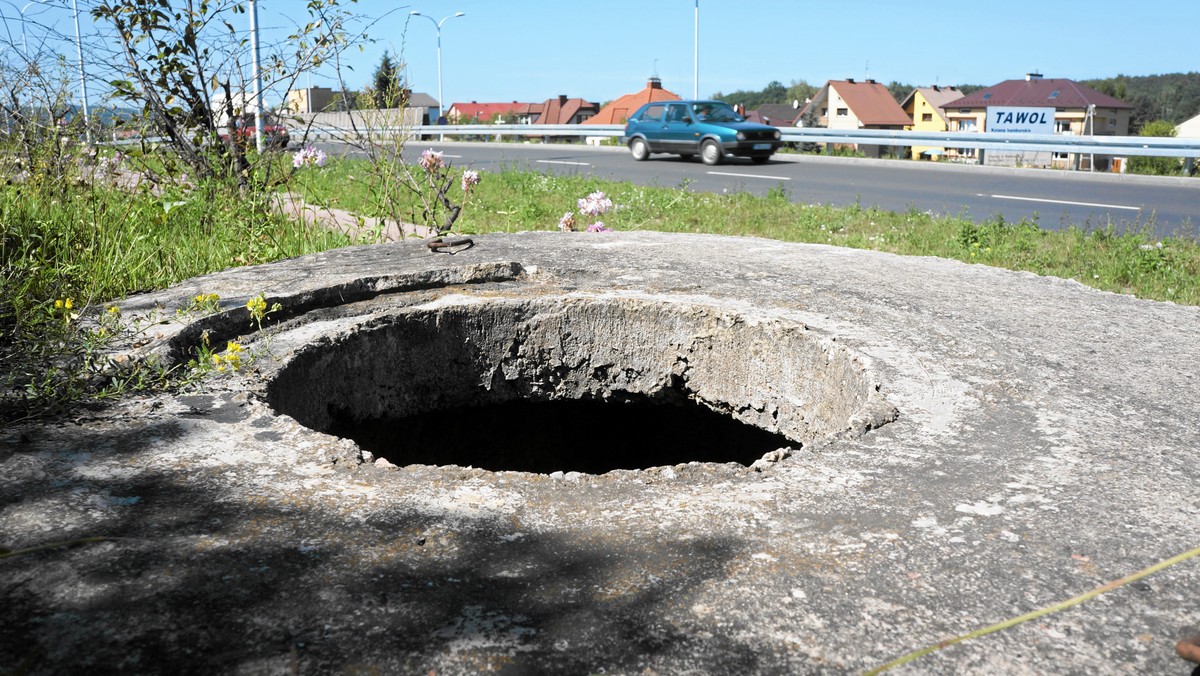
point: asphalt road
(1054, 199)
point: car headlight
(741, 136)
(778, 135)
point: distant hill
(1173, 97)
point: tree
(1156, 166)
(800, 90)
(774, 92)
(177, 62)
(386, 91)
(899, 90)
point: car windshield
(715, 112)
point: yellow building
(924, 106)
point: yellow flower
(114, 311)
(231, 346)
(69, 304)
(58, 304)
(257, 306)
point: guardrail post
(1189, 166)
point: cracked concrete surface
(1044, 442)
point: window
(1061, 127)
(1054, 94)
(653, 114)
(987, 96)
(843, 112)
(927, 117)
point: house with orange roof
(618, 110)
(846, 104)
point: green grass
(512, 200)
(63, 239)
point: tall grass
(67, 247)
(513, 200)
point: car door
(678, 130)
(650, 125)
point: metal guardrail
(1060, 143)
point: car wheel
(760, 160)
(711, 153)
(639, 149)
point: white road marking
(453, 157)
(772, 178)
(577, 164)
(1076, 204)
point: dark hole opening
(592, 437)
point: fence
(1059, 143)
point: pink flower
(567, 222)
(599, 226)
(308, 157)
(470, 179)
(430, 159)
(594, 204)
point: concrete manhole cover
(575, 383)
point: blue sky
(531, 50)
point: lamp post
(696, 56)
(24, 45)
(87, 123)
(438, 26)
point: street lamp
(438, 26)
(696, 55)
(24, 45)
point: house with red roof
(563, 110)
(619, 110)
(846, 104)
(1078, 110)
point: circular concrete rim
(461, 351)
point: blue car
(710, 129)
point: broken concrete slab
(967, 444)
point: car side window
(677, 113)
(652, 114)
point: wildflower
(594, 204)
(257, 307)
(308, 157)
(567, 222)
(233, 347)
(599, 226)
(113, 311)
(430, 159)
(470, 179)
